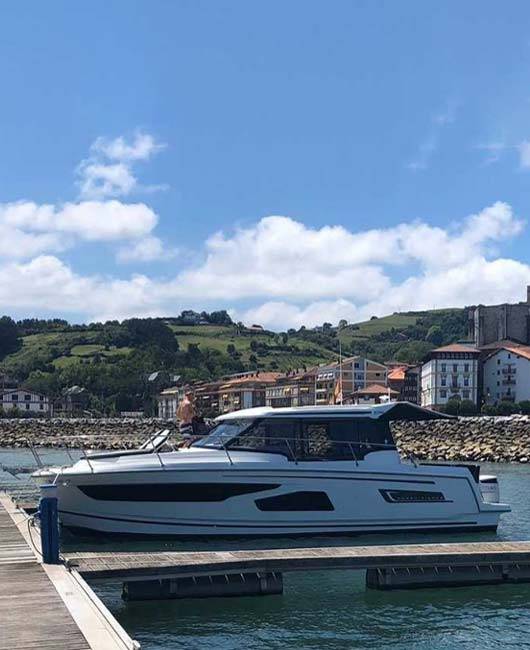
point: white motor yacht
(283, 471)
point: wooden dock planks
(32, 614)
(125, 566)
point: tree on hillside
(220, 318)
(413, 351)
(435, 335)
(9, 336)
(151, 331)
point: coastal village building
(396, 377)
(490, 323)
(411, 389)
(356, 372)
(292, 389)
(72, 403)
(168, 402)
(452, 372)
(507, 374)
(245, 392)
(207, 398)
(375, 394)
(24, 401)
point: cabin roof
(388, 411)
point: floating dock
(197, 574)
(47, 606)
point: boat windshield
(223, 433)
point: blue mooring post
(49, 524)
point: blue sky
(291, 161)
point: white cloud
(289, 274)
(108, 171)
(29, 228)
(99, 181)
(143, 147)
(145, 250)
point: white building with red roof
(507, 374)
(451, 372)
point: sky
(291, 161)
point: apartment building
(292, 389)
(506, 373)
(245, 392)
(357, 372)
(25, 401)
(207, 398)
(451, 372)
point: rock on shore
(117, 433)
(496, 439)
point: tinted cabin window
(343, 439)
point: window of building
(41, 407)
(27, 407)
(14, 397)
(498, 372)
(509, 356)
(498, 383)
(466, 381)
(444, 367)
(41, 397)
(466, 367)
(356, 365)
(27, 397)
(444, 381)
(498, 362)
(443, 393)
(455, 367)
(465, 394)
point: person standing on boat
(185, 414)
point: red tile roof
(397, 374)
(376, 389)
(457, 347)
(521, 351)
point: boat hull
(268, 502)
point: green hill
(113, 360)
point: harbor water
(324, 610)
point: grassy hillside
(113, 360)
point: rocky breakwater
(118, 433)
(493, 439)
